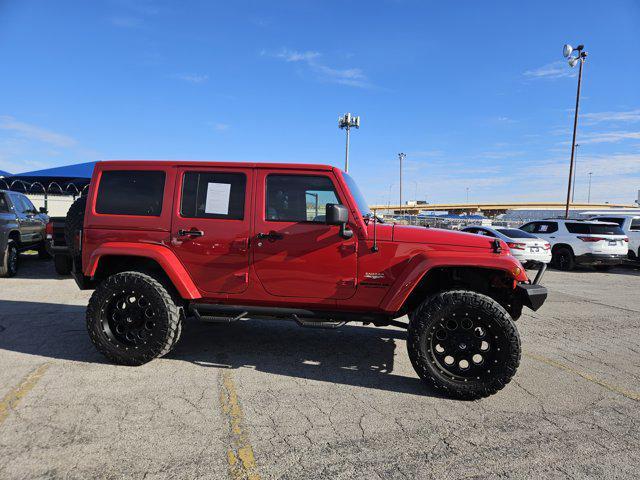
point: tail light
(591, 239)
(546, 246)
(626, 239)
(48, 230)
(517, 246)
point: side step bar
(303, 316)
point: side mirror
(43, 210)
(336, 214)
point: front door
(210, 227)
(295, 253)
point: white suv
(630, 225)
(600, 244)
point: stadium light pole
(401, 157)
(581, 55)
(347, 121)
(575, 169)
(589, 194)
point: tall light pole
(589, 194)
(575, 169)
(347, 121)
(568, 52)
(401, 157)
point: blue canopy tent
(69, 178)
(4, 174)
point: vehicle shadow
(351, 355)
(30, 266)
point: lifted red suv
(160, 241)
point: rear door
(28, 223)
(211, 226)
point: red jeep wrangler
(160, 241)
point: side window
(131, 192)
(581, 228)
(298, 198)
(618, 221)
(28, 206)
(545, 227)
(529, 227)
(4, 204)
(635, 225)
(18, 204)
(213, 195)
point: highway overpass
(492, 209)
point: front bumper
(533, 295)
(600, 259)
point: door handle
(190, 233)
(272, 236)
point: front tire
(463, 343)
(132, 319)
(9, 265)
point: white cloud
(33, 132)
(628, 116)
(353, 77)
(194, 78)
(558, 69)
(608, 137)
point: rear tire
(563, 259)
(463, 343)
(62, 264)
(9, 265)
(132, 319)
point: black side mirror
(43, 210)
(338, 215)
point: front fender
(161, 254)
(421, 264)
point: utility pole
(589, 194)
(346, 122)
(401, 157)
(573, 60)
(575, 169)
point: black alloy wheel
(463, 343)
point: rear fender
(421, 264)
(161, 254)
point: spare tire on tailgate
(72, 224)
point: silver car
(527, 248)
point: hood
(412, 234)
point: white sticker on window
(218, 198)
(543, 228)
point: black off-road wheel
(73, 223)
(563, 259)
(132, 318)
(9, 264)
(464, 344)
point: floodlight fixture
(566, 51)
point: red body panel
(311, 266)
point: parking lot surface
(265, 399)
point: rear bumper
(600, 259)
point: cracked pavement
(320, 404)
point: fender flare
(167, 260)
(421, 264)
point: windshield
(357, 195)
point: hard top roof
(200, 163)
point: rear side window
(594, 229)
(619, 221)
(540, 227)
(515, 233)
(131, 192)
(635, 225)
(213, 195)
(299, 198)
(4, 205)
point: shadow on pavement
(350, 355)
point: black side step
(214, 309)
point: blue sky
(477, 94)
